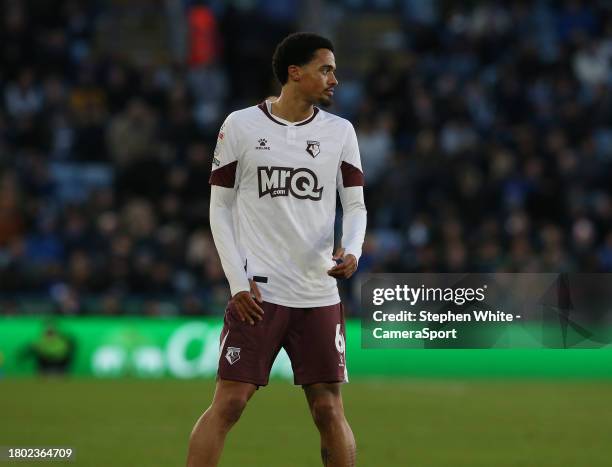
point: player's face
(318, 78)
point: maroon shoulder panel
(225, 176)
(351, 175)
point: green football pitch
(420, 423)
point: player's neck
(291, 107)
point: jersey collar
(265, 107)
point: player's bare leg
(208, 435)
(337, 441)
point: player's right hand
(245, 304)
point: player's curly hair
(296, 49)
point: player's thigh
(247, 351)
(316, 345)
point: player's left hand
(346, 267)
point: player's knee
(230, 409)
(325, 412)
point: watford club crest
(312, 148)
(232, 355)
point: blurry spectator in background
(132, 134)
(53, 351)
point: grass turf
(420, 423)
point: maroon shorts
(313, 338)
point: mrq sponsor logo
(190, 351)
(300, 183)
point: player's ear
(294, 72)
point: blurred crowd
(485, 131)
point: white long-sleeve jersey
(273, 203)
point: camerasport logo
(300, 183)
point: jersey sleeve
(350, 171)
(224, 184)
(224, 235)
(226, 156)
(350, 182)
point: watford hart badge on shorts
(312, 147)
(232, 355)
